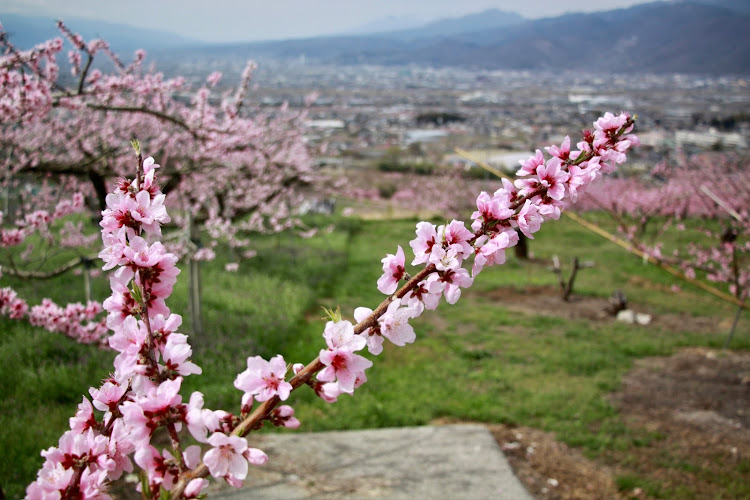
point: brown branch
(45, 275)
(85, 72)
(140, 109)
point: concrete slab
(436, 462)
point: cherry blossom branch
(143, 393)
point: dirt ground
(694, 405)
(546, 300)
(689, 414)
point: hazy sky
(236, 20)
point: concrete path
(432, 462)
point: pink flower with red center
(162, 468)
(552, 178)
(581, 176)
(283, 416)
(175, 355)
(529, 220)
(420, 298)
(393, 272)
(423, 243)
(343, 367)
(456, 236)
(118, 215)
(373, 339)
(394, 323)
(340, 334)
(489, 210)
(563, 152)
(84, 418)
(140, 254)
(227, 457)
(610, 123)
(264, 379)
(529, 166)
(450, 283)
(74, 448)
(492, 251)
(151, 214)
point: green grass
(473, 361)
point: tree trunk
(522, 248)
(194, 281)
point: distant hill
(487, 19)
(735, 5)
(660, 37)
(27, 31)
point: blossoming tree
(115, 427)
(705, 194)
(228, 166)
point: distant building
(709, 139)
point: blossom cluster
(241, 167)
(75, 320)
(685, 196)
(142, 395)
(38, 221)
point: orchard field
(545, 375)
(135, 202)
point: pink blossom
(162, 468)
(393, 272)
(200, 421)
(84, 418)
(424, 242)
(374, 340)
(492, 252)
(226, 458)
(529, 221)
(563, 152)
(176, 354)
(340, 334)
(194, 487)
(490, 210)
(528, 167)
(456, 236)
(283, 416)
(394, 323)
(450, 283)
(342, 366)
(264, 379)
(420, 298)
(552, 178)
(445, 259)
(53, 480)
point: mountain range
(685, 36)
(27, 31)
(660, 37)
